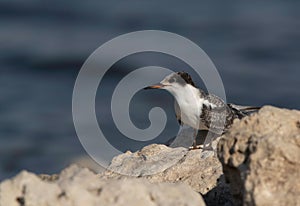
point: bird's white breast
(190, 104)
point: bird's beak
(156, 86)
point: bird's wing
(217, 116)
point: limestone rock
(77, 186)
(159, 163)
(27, 189)
(261, 158)
(140, 192)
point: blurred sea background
(254, 45)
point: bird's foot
(196, 147)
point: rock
(159, 163)
(140, 192)
(27, 189)
(150, 160)
(261, 158)
(78, 186)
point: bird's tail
(243, 108)
(242, 111)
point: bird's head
(174, 82)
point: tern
(198, 109)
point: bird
(198, 109)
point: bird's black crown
(187, 78)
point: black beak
(156, 86)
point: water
(255, 46)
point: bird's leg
(195, 146)
(207, 145)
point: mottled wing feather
(217, 117)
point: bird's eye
(171, 80)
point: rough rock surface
(77, 186)
(261, 158)
(159, 163)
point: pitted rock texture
(261, 158)
(76, 187)
(159, 163)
